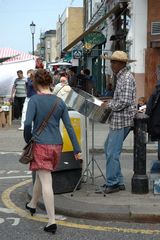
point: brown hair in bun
(42, 77)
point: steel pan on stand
(87, 105)
(91, 108)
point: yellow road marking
(9, 204)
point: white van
(58, 66)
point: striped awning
(9, 55)
(4, 59)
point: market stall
(10, 62)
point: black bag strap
(45, 121)
(156, 100)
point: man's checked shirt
(123, 104)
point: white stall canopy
(10, 62)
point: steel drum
(87, 105)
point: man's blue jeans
(113, 148)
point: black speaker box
(67, 174)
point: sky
(17, 15)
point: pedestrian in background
(30, 91)
(141, 106)
(48, 145)
(56, 77)
(18, 94)
(153, 111)
(62, 89)
(63, 81)
(123, 106)
(39, 63)
(88, 83)
(109, 91)
(72, 76)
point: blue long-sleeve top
(38, 108)
(30, 89)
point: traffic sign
(76, 54)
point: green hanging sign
(67, 57)
(94, 38)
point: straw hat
(119, 56)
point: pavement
(85, 203)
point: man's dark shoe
(121, 186)
(103, 187)
(112, 189)
(100, 189)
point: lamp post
(32, 27)
(60, 36)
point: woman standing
(48, 145)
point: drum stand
(92, 161)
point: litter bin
(69, 170)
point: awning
(3, 59)
(9, 55)
(78, 39)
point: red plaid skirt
(46, 156)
